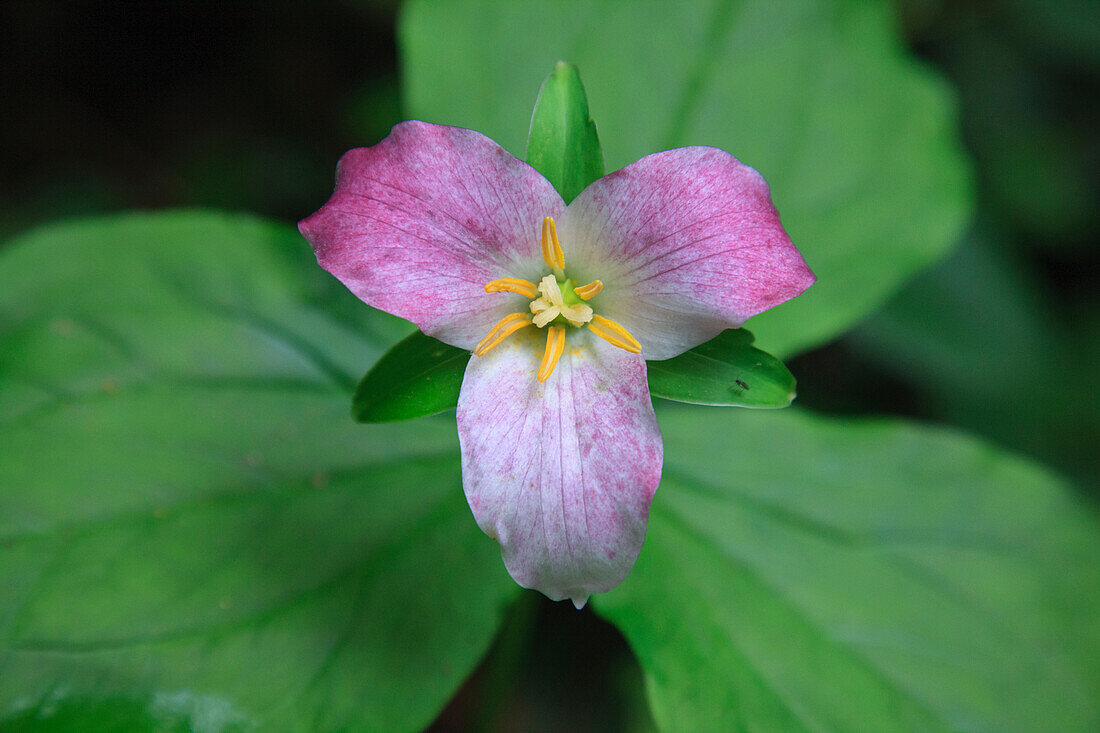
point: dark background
(110, 106)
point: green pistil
(569, 298)
(567, 295)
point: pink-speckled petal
(687, 243)
(561, 473)
(421, 221)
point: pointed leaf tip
(562, 143)
(419, 376)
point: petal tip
(307, 227)
(805, 280)
(579, 601)
(312, 228)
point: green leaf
(857, 140)
(193, 533)
(417, 377)
(727, 370)
(562, 143)
(805, 573)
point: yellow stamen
(555, 347)
(548, 303)
(589, 291)
(547, 255)
(512, 285)
(559, 253)
(614, 334)
(505, 327)
(552, 252)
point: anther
(614, 334)
(555, 347)
(512, 285)
(552, 252)
(589, 291)
(504, 328)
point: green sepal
(419, 376)
(562, 144)
(727, 370)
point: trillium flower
(561, 307)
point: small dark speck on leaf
(742, 384)
(63, 327)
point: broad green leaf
(562, 143)
(417, 377)
(804, 573)
(857, 140)
(727, 370)
(193, 533)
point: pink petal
(687, 243)
(421, 221)
(562, 473)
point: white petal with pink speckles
(561, 473)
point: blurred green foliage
(989, 352)
(1000, 337)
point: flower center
(555, 303)
(559, 301)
